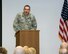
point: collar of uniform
(28, 16)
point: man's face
(26, 10)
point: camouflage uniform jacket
(23, 22)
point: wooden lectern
(28, 38)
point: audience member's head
(3, 50)
(25, 47)
(63, 48)
(32, 50)
(19, 50)
(64, 45)
(24, 50)
(63, 51)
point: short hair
(26, 6)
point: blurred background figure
(63, 48)
(19, 50)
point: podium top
(27, 31)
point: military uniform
(23, 22)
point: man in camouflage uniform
(25, 20)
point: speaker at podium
(28, 38)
